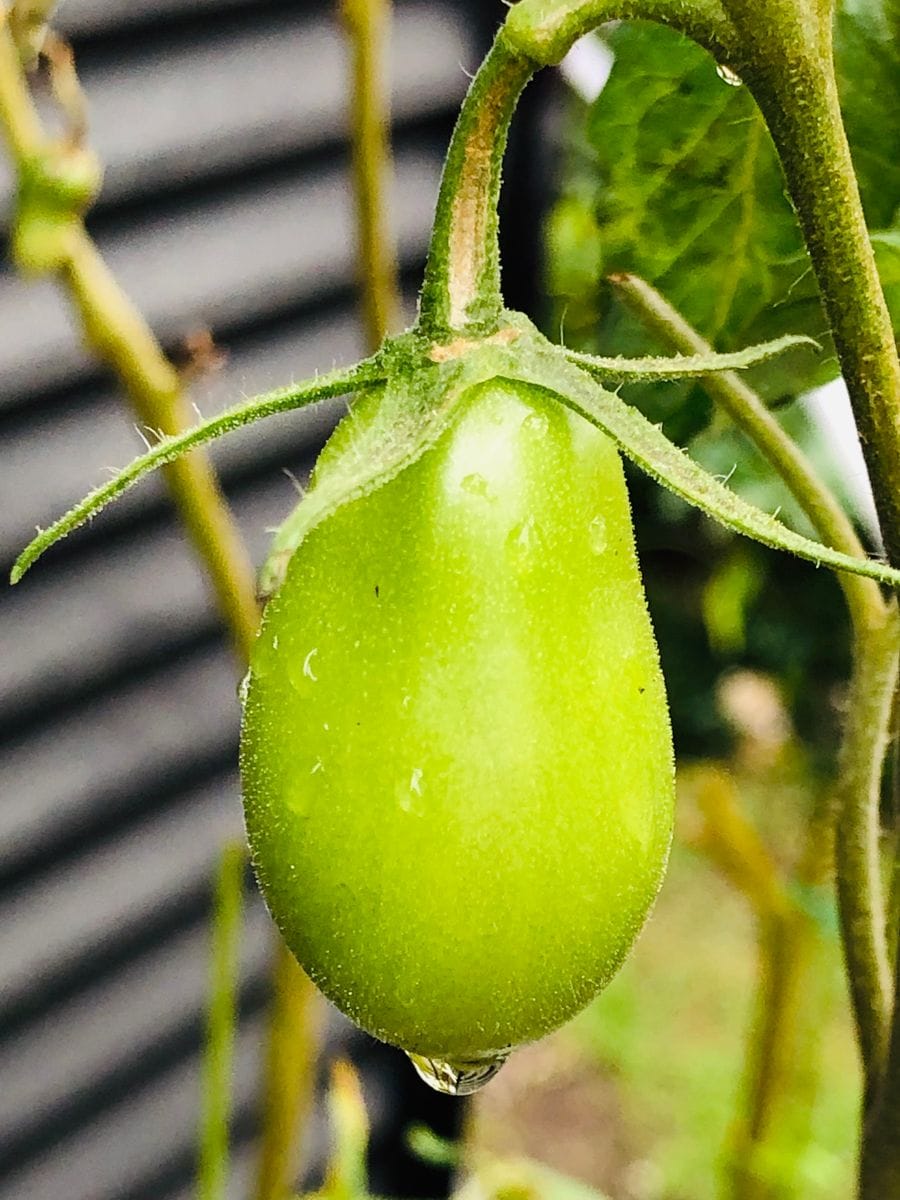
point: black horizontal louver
(226, 206)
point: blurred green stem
(288, 1075)
(779, 1054)
(121, 337)
(221, 1022)
(346, 1176)
(367, 23)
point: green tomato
(456, 752)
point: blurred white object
(828, 410)
(586, 67)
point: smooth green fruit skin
(456, 752)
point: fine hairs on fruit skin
(456, 753)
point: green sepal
(387, 431)
(336, 383)
(536, 362)
(684, 366)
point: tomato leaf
(336, 383)
(648, 447)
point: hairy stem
(462, 277)
(880, 1167)
(793, 80)
(367, 23)
(875, 642)
(861, 896)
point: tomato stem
(792, 78)
(461, 292)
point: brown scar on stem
(461, 346)
(470, 210)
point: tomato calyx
(391, 427)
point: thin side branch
(367, 23)
(221, 1022)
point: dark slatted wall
(226, 205)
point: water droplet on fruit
(409, 795)
(523, 542)
(476, 485)
(597, 535)
(308, 667)
(536, 423)
(460, 1078)
(729, 76)
(317, 766)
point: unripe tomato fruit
(456, 752)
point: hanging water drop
(727, 75)
(460, 1078)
